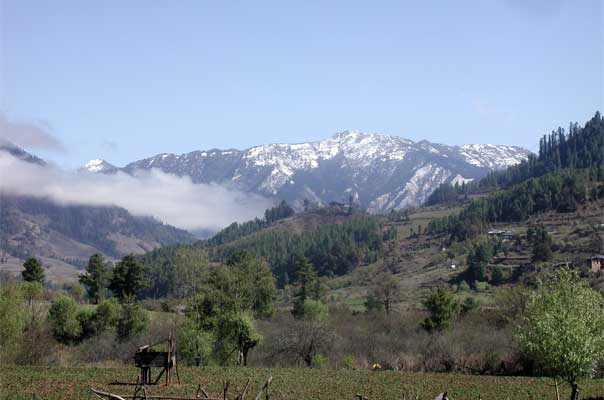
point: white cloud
(174, 200)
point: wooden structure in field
(145, 359)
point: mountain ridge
(386, 172)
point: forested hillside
(65, 236)
(580, 147)
(334, 248)
(568, 171)
(560, 191)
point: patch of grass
(290, 383)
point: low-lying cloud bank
(174, 200)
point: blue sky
(122, 80)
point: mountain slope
(65, 236)
(387, 172)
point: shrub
(469, 305)
(463, 287)
(443, 308)
(63, 319)
(347, 362)
(195, 345)
(314, 310)
(498, 276)
(107, 315)
(132, 321)
(319, 361)
(86, 318)
(12, 321)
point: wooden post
(169, 359)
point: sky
(124, 80)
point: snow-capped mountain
(98, 166)
(384, 171)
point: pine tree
(33, 271)
(96, 278)
(128, 277)
(307, 283)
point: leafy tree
(563, 327)
(542, 245)
(12, 321)
(128, 277)
(33, 271)
(307, 284)
(195, 346)
(253, 283)
(96, 278)
(63, 319)
(31, 291)
(237, 333)
(443, 308)
(232, 296)
(190, 270)
(386, 290)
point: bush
(63, 319)
(498, 276)
(463, 287)
(443, 308)
(373, 304)
(12, 321)
(347, 362)
(319, 361)
(86, 318)
(481, 286)
(107, 315)
(132, 321)
(314, 310)
(194, 345)
(469, 305)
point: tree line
(334, 249)
(580, 147)
(238, 230)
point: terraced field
(311, 384)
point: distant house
(596, 263)
(505, 235)
(337, 207)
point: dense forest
(333, 249)
(559, 191)
(580, 147)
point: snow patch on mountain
(98, 166)
(386, 171)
